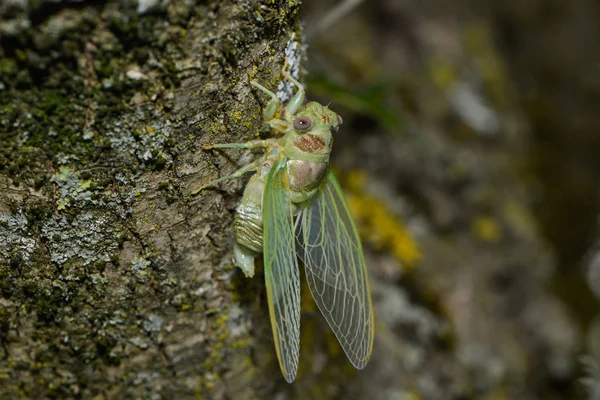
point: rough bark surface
(114, 282)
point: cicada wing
(281, 270)
(328, 243)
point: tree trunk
(115, 281)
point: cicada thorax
(308, 147)
(307, 165)
(305, 176)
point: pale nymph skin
(306, 144)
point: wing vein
(330, 248)
(281, 271)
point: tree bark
(115, 281)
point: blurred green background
(475, 127)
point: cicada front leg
(272, 106)
(297, 101)
(293, 106)
(271, 109)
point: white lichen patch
(139, 266)
(14, 236)
(74, 192)
(15, 26)
(294, 52)
(145, 6)
(139, 342)
(123, 205)
(71, 188)
(472, 107)
(396, 309)
(134, 73)
(89, 237)
(145, 142)
(238, 322)
(153, 323)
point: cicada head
(321, 116)
(311, 129)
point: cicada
(293, 208)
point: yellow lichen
(520, 219)
(378, 225)
(486, 229)
(333, 347)
(479, 44)
(442, 73)
(497, 394)
(236, 117)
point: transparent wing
(328, 243)
(281, 270)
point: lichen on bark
(114, 281)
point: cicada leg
(271, 110)
(273, 104)
(240, 172)
(248, 145)
(237, 174)
(298, 100)
(294, 104)
(248, 223)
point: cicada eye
(340, 120)
(302, 123)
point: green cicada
(293, 207)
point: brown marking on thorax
(310, 143)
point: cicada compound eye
(302, 123)
(340, 120)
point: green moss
(8, 67)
